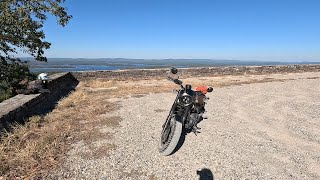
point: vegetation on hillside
(13, 71)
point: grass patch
(4, 97)
(5, 93)
(32, 149)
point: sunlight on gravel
(258, 127)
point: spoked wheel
(170, 135)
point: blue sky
(275, 30)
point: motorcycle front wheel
(170, 135)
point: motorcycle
(186, 112)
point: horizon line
(172, 59)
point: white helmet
(43, 76)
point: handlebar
(179, 82)
(176, 81)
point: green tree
(21, 23)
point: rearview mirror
(174, 70)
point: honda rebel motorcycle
(186, 112)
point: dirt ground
(258, 127)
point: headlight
(185, 99)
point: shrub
(12, 73)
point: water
(71, 64)
(74, 68)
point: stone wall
(20, 107)
(205, 71)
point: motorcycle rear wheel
(170, 135)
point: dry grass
(138, 88)
(34, 148)
(30, 148)
(100, 83)
(251, 81)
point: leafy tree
(21, 23)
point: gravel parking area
(254, 131)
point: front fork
(184, 114)
(173, 108)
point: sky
(269, 30)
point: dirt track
(257, 131)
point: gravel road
(253, 131)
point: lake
(82, 64)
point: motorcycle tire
(175, 132)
